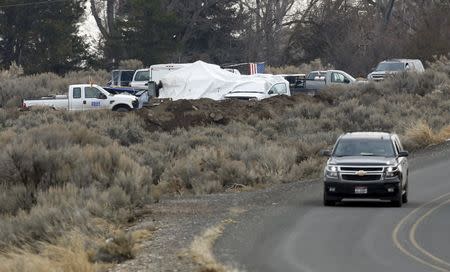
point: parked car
(317, 80)
(86, 97)
(395, 66)
(258, 89)
(370, 165)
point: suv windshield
(390, 66)
(364, 147)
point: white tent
(203, 80)
(198, 80)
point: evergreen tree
(149, 32)
(214, 35)
(42, 37)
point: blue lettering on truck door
(95, 103)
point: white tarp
(203, 80)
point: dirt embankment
(170, 115)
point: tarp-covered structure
(204, 80)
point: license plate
(360, 190)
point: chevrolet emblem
(361, 173)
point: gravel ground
(178, 221)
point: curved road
(292, 231)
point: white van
(158, 71)
(154, 73)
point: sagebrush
(62, 172)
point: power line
(32, 3)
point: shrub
(302, 69)
(420, 135)
(132, 64)
(117, 249)
(64, 171)
(440, 64)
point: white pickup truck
(86, 97)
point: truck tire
(121, 109)
(405, 195)
(397, 201)
(327, 201)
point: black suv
(370, 165)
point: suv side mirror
(325, 153)
(346, 80)
(403, 154)
(271, 92)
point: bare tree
(105, 14)
(269, 21)
(385, 7)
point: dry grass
(75, 253)
(201, 249)
(70, 256)
(420, 135)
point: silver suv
(394, 66)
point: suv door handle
(84, 102)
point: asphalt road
(293, 231)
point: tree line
(352, 35)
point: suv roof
(368, 135)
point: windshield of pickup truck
(142, 76)
(390, 66)
(364, 147)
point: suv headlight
(392, 171)
(331, 171)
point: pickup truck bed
(55, 102)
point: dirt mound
(170, 115)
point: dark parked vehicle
(121, 78)
(371, 165)
(296, 82)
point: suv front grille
(355, 169)
(361, 178)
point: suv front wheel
(327, 201)
(405, 194)
(397, 201)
